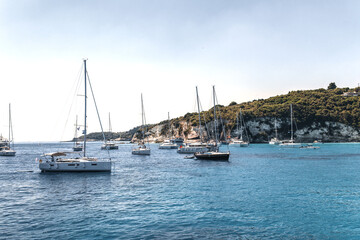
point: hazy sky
(163, 49)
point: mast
(169, 131)
(291, 121)
(85, 110)
(10, 128)
(216, 140)
(76, 130)
(241, 126)
(142, 118)
(198, 105)
(275, 130)
(110, 128)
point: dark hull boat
(213, 156)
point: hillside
(321, 114)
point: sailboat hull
(8, 153)
(213, 156)
(75, 166)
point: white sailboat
(197, 146)
(240, 141)
(109, 145)
(5, 145)
(77, 146)
(167, 144)
(142, 149)
(57, 162)
(275, 140)
(214, 154)
(290, 143)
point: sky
(248, 49)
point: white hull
(274, 143)
(187, 150)
(290, 145)
(7, 153)
(141, 152)
(75, 166)
(168, 146)
(239, 144)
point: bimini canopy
(55, 154)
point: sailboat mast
(216, 140)
(142, 118)
(110, 128)
(275, 130)
(169, 131)
(198, 105)
(9, 125)
(85, 110)
(241, 126)
(291, 120)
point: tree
(232, 103)
(332, 85)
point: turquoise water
(263, 192)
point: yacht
(275, 140)
(108, 145)
(290, 143)
(5, 144)
(213, 154)
(167, 144)
(60, 162)
(142, 149)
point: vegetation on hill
(309, 106)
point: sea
(263, 192)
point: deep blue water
(263, 192)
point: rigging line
(204, 118)
(72, 102)
(97, 111)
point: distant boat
(142, 149)
(54, 162)
(167, 144)
(214, 154)
(240, 142)
(275, 140)
(290, 143)
(77, 146)
(197, 146)
(5, 145)
(108, 145)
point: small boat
(189, 157)
(59, 162)
(5, 144)
(108, 145)
(290, 143)
(142, 149)
(77, 146)
(167, 144)
(309, 147)
(275, 140)
(240, 142)
(193, 148)
(218, 156)
(213, 154)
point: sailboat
(77, 146)
(290, 143)
(5, 145)
(108, 145)
(275, 140)
(167, 144)
(142, 149)
(214, 153)
(240, 142)
(58, 162)
(197, 146)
